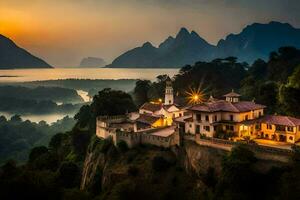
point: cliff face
(195, 161)
(187, 172)
(198, 159)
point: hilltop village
(165, 123)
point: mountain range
(14, 57)
(253, 42)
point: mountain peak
(12, 56)
(147, 44)
(183, 32)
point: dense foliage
(17, 137)
(31, 106)
(56, 94)
(275, 83)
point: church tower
(169, 97)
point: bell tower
(169, 96)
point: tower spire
(169, 96)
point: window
(269, 126)
(206, 118)
(215, 128)
(290, 128)
(198, 117)
(280, 128)
(197, 129)
(229, 128)
(259, 114)
(231, 117)
(169, 101)
(190, 125)
(216, 118)
(207, 128)
(291, 138)
(180, 115)
(257, 127)
(246, 117)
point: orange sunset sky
(63, 32)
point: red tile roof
(280, 120)
(151, 107)
(225, 106)
(183, 119)
(147, 119)
(232, 94)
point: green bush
(122, 146)
(106, 145)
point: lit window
(290, 128)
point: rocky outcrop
(198, 159)
(92, 62)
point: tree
(112, 102)
(290, 100)
(122, 145)
(283, 63)
(56, 141)
(16, 118)
(84, 115)
(238, 175)
(141, 91)
(37, 152)
(294, 79)
(267, 95)
(259, 69)
(290, 180)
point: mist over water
(49, 118)
(25, 75)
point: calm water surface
(21, 75)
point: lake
(24, 75)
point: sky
(65, 31)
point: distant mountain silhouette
(185, 48)
(255, 41)
(92, 62)
(12, 56)
(258, 40)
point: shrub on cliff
(122, 146)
